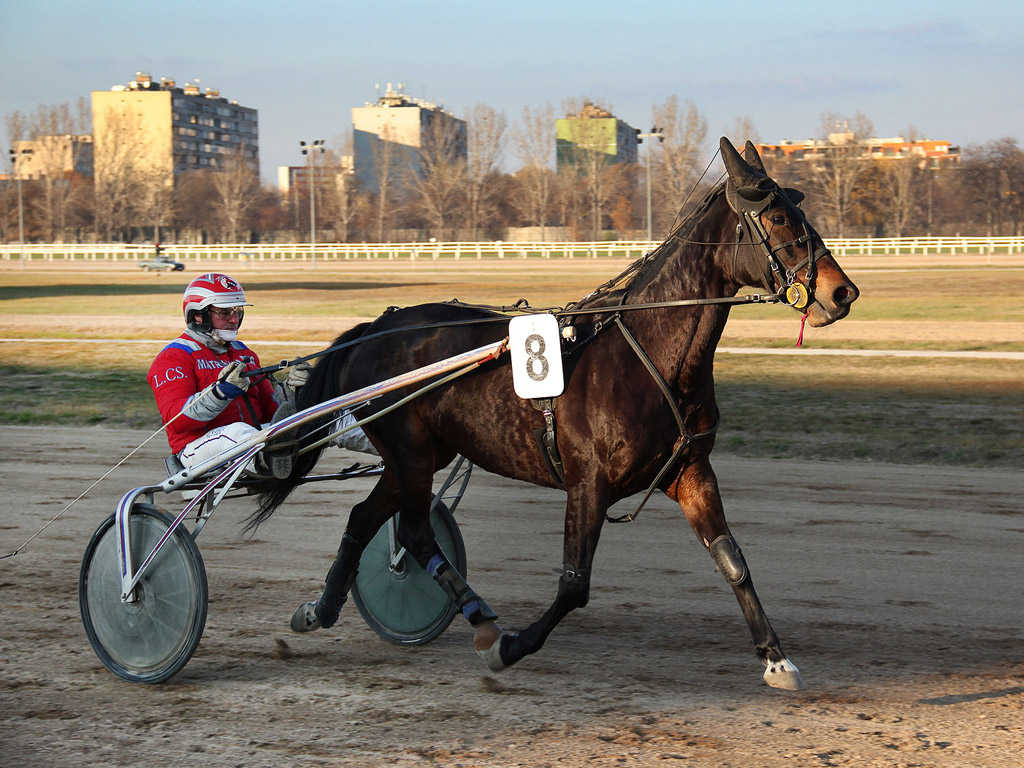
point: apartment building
(594, 135)
(392, 135)
(57, 157)
(934, 152)
(328, 168)
(168, 130)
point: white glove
(298, 375)
(231, 383)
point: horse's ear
(741, 173)
(736, 166)
(753, 159)
(747, 185)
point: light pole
(15, 156)
(309, 149)
(655, 132)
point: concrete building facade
(169, 130)
(296, 177)
(594, 135)
(53, 156)
(394, 133)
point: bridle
(750, 231)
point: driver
(199, 375)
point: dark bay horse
(638, 410)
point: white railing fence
(336, 252)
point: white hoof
(784, 674)
(492, 656)
(487, 643)
(304, 619)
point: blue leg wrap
(434, 565)
(475, 610)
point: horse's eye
(778, 219)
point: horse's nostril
(844, 295)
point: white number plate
(536, 356)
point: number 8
(538, 355)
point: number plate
(536, 356)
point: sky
(949, 70)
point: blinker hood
(748, 188)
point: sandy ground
(896, 589)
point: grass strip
(904, 411)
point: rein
(521, 307)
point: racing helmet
(210, 290)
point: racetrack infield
(894, 588)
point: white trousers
(355, 439)
(215, 441)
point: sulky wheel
(402, 603)
(149, 640)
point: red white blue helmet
(210, 290)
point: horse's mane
(641, 270)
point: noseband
(775, 274)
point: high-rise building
(594, 135)
(167, 130)
(395, 134)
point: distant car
(161, 264)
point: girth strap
(548, 441)
(684, 438)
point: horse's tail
(322, 384)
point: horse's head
(787, 254)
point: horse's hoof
(304, 619)
(784, 674)
(487, 642)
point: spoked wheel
(398, 599)
(149, 640)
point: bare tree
(743, 130)
(900, 179)
(992, 185)
(236, 187)
(534, 146)
(437, 185)
(679, 159)
(119, 178)
(485, 141)
(15, 127)
(195, 207)
(587, 161)
(386, 158)
(58, 136)
(343, 201)
(154, 203)
(838, 169)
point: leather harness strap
(684, 438)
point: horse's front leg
(584, 515)
(696, 491)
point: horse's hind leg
(366, 518)
(417, 537)
(585, 510)
(696, 490)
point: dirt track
(897, 590)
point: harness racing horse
(638, 410)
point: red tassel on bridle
(800, 338)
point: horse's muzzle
(832, 302)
